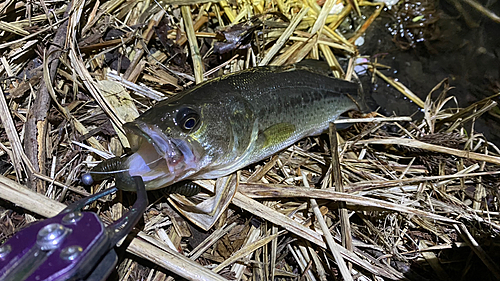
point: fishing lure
(114, 167)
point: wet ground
(467, 52)
(464, 49)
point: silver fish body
(227, 123)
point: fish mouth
(159, 159)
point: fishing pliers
(73, 245)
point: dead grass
(410, 198)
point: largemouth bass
(227, 123)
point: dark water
(465, 51)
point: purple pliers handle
(73, 245)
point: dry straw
(374, 202)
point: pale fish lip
(164, 146)
(171, 161)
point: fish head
(176, 140)
(163, 146)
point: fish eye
(187, 119)
(189, 123)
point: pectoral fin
(277, 134)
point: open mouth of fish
(159, 159)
